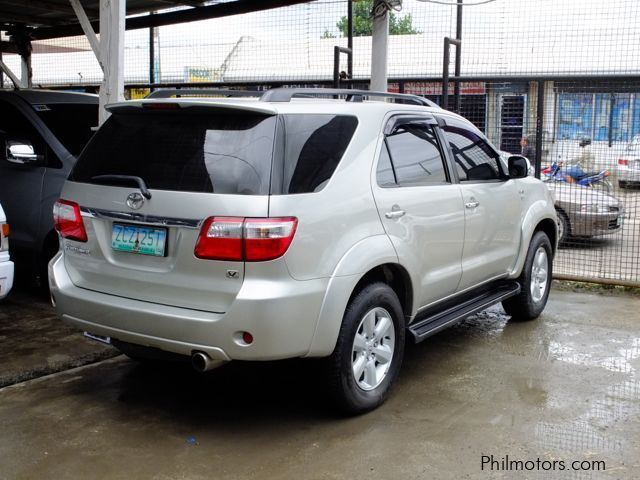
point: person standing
(528, 149)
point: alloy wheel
(373, 347)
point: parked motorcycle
(575, 174)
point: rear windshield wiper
(125, 179)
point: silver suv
(278, 227)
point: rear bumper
(281, 316)
(6, 277)
(629, 175)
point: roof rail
(194, 92)
(286, 94)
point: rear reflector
(245, 239)
(5, 230)
(623, 161)
(68, 221)
(247, 338)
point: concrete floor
(565, 387)
(33, 342)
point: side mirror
(518, 166)
(21, 152)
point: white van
(6, 265)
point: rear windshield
(71, 123)
(224, 152)
(221, 153)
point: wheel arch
(394, 275)
(561, 211)
(371, 260)
(538, 218)
(549, 227)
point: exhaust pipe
(202, 362)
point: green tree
(363, 23)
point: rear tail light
(245, 239)
(267, 238)
(220, 239)
(68, 221)
(623, 162)
(4, 237)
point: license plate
(138, 239)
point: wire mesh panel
(591, 150)
(555, 80)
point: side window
(314, 147)
(15, 126)
(475, 160)
(385, 175)
(415, 155)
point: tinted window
(314, 145)
(416, 155)
(15, 126)
(474, 158)
(70, 123)
(384, 173)
(218, 153)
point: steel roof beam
(171, 18)
(11, 17)
(47, 6)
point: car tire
(564, 227)
(372, 330)
(535, 281)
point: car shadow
(236, 392)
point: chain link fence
(555, 80)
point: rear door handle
(395, 214)
(472, 204)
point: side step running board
(440, 319)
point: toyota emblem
(135, 201)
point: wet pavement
(34, 342)
(563, 388)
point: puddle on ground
(581, 355)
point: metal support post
(611, 117)
(445, 70)
(350, 38)
(539, 128)
(21, 38)
(112, 19)
(152, 55)
(456, 88)
(379, 46)
(336, 63)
